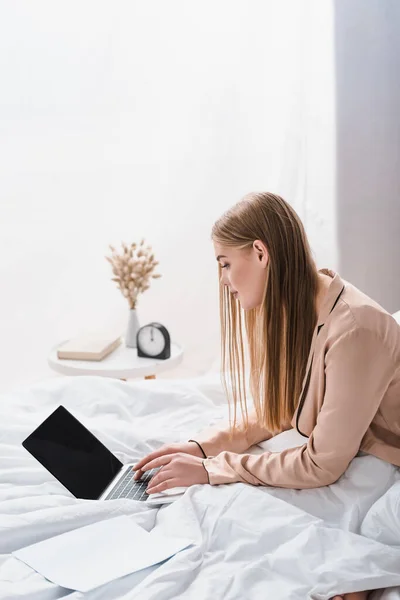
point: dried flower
(133, 269)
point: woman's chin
(249, 306)
(246, 304)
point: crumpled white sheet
(251, 542)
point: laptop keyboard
(130, 488)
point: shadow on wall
(367, 62)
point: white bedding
(250, 542)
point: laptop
(77, 458)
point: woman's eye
(224, 266)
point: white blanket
(251, 542)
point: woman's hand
(185, 447)
(176, 470)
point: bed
(249, 542)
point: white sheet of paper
(90, 556)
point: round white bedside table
(123, 363)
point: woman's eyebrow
(221, 256)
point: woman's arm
(358, 371)
(213, 440)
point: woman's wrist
(201, 449)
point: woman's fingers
(157, 462)
(162, 473)
(190, 448)
(139, 466)
(164, 485)
(163, 451)
(153, 464)
(138, 474)
(147, 459)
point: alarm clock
(153, 341)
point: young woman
(324, 359)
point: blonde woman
(324, 359)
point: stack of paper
(90, 556)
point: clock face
(151, 340)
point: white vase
(132, 329)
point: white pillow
(396, 315)
(382, 521)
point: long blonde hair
(279, 331)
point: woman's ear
(261, 250)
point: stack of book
(89, 346)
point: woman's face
(244, 272)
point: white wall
(130, 119)
(367, 58)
